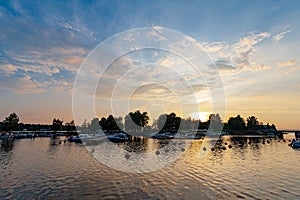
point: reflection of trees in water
(239, 142)
(218, 146)
(7, 145)
(162, 143)
(239, 147)
(243, 145)
(218, 152)
(256, 143)
(52, 147)
(136, 145)
(6, 154)
(145, 145)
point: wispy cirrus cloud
(237, 57)
(48, 74)
(46, 46)
(287, 63)
(280, 36)
(22, 85)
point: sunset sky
(254, 44)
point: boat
(4, 136)
(20, 135)
(295, 144)
(118, 137)
(188, 135)
(153, 135)
(199, 136)
(60, 134)
(85, 136)
(184, 135)
(75, 139)
(30, 135)
(200, 133)
(163, 135)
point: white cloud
(43, 67)
(166, 61)
(8, 69)
(213, 47)
(23, 85)
(63, 86)
(157, 33)
(253, 66)
(246, 46)
(287, 63)
(281, 35)
(236, 58)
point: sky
(254, 45)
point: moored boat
(6, 135)
(60, 134)
(30, 135)
(164, 135)
(75, 139)
(19, 135)
(295, 144)
(118, 137)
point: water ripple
(35, 169)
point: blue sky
(255, 44)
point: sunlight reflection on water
(250, 169)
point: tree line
(250, 125)
(139, 122)
(11, 123)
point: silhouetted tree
(119, 122)
(1, 126)
(273, 126)
(154, 124)
(161, 121)
(111, 124)
(102, 123)
(203, 125)
(215, 122)
(144, 119)
(136, 121)
(236, 123)
(84, 124)
(189, 123)
(57, 125)
(252, 123)
(94, 125)
(11, 123)
(130, 124)
(70, 126)
(168, 122)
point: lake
(254, 168)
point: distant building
(265, 129)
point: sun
(203, 116)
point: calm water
(35, 169)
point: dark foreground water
(35, 169)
